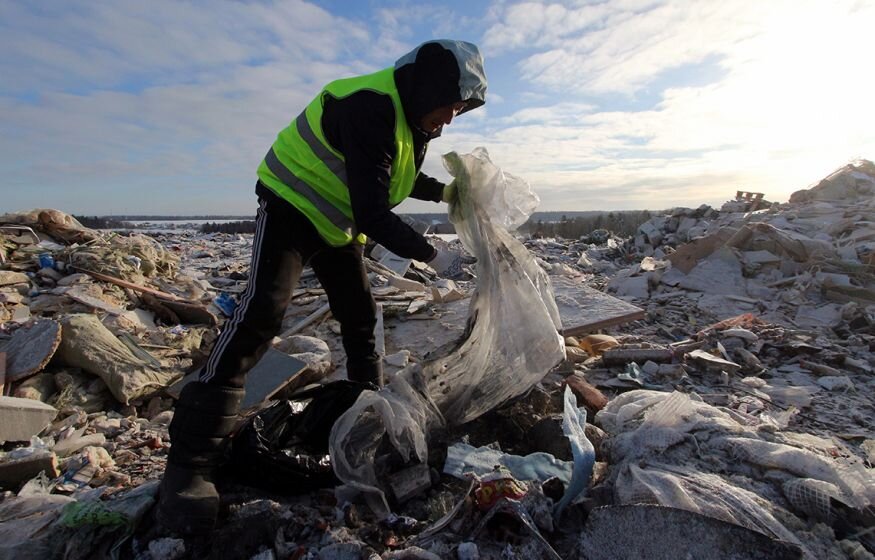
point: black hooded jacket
(361, 126)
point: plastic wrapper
(510, 342)
(674, 450)
(512, 337)
(401, 412)
(574, 426)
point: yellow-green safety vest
(304, 169)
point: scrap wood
(177, 312)
(623, 356)
(131, 285)
(274, 372)
(584, 310)
(307, 321)
(30, 349)
(745, 320)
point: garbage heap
(733, 420)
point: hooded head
(440, 74)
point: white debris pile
(674, 450)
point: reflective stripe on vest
(302, 168)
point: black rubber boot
(188, 502)
(368, 370)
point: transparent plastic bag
(402, 412)
(511, 340)
(512, 337)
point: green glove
(449, 194)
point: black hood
(439, 73)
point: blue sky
(167, 107)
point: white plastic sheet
(512, 335)
(674, 450)
(511, 341)
(401, 411)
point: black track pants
(285, 241)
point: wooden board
(30, 349)
(585, 310)
(275, 371)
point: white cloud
(156, 98)
(789, 106)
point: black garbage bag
(284, 448)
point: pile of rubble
(734, 393)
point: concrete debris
(724, 358)
(21, 419)
(648, 531)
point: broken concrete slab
(9, 278)
(687, 256)
(30, 349)
(720, 273)
(661, 533)
(446, 291)
(809, 316)
(406, 284)
(22, 418)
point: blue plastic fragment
(574, 427)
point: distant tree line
(97, 222)
(246, 226)
(623, 224)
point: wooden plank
(307, 321)
(275, 371)
(131, 285)
(584, 310)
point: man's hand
(449, 193)
(447, 263)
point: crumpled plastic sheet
(574, 427)
(511, 341)
(401, 411)
(463, 458)
(46, 525)
(513, 323)
(664, 444)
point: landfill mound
(739, 407)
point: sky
(168, 106)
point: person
(328, 182)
